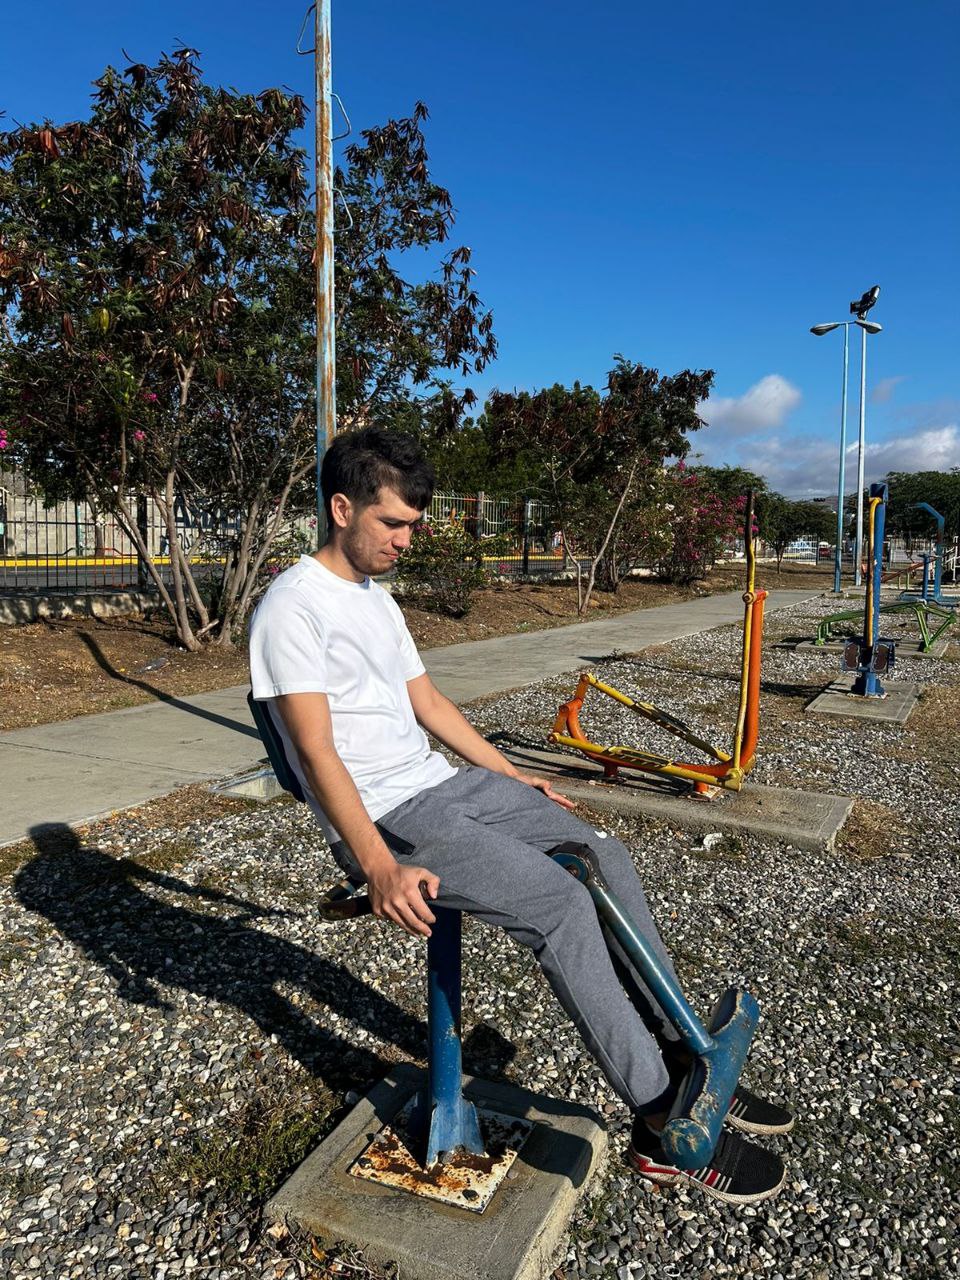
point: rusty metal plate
(465, 1182)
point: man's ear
(341, 509)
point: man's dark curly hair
(360, 463)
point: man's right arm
(395, 890)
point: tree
(599, 452)
(732, 483)
(156, 314)
(940, 488)
(782, 521)
(704, 517)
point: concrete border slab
(838, 699)
(515, 1238)
(260, 785)
(905, 648)
(805, 819)
(18, 610)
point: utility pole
(325, 313)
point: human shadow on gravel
(111, 908)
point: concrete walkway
(76, 770)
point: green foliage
(599, 454)
(782, 521)
(732, 483)
(157, 313)
(941, 489)
(443, 567)
(703, 520)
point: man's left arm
(441, 718)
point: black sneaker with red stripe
(739, 1172)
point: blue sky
(689, 184)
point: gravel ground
(180, 1028)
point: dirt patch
(55, 670)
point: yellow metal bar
(650, 763)
(658, 716)
(874, 503)
(747, 626)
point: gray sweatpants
(485, 835)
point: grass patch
(729, 848)
(168, 855)
(18, 1184)
(870, 832)
(12, 949)
(261, 1146)
(13, 856)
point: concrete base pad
(805, 819)
(513, 1239)
(261, 785)
(838, 700)
(905, 648)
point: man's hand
(396, 893)
(543, 784)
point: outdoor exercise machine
(930, 592)
(444, 1123)
(730, 768)
(932, 620)
(869, 655)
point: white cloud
(765, 405)
(807, 467)
(752, 431)
(882, 393)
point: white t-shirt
(314, 632)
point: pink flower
(4, 443)
(139, 435)
(150, 396)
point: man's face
(371, 538)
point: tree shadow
(105, 665)
(110, 908)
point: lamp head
(871, 326)
(821, 329)
(864, 303)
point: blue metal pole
(861, 456)
(841, 483)
(697, 1116)
(939, 551)
(443, 1113)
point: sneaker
(739, 1172)
(756, 1115)
(747, 1111)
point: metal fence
(527, 534)
(71, 546)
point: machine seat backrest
(263, 719)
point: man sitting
(331, 653)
